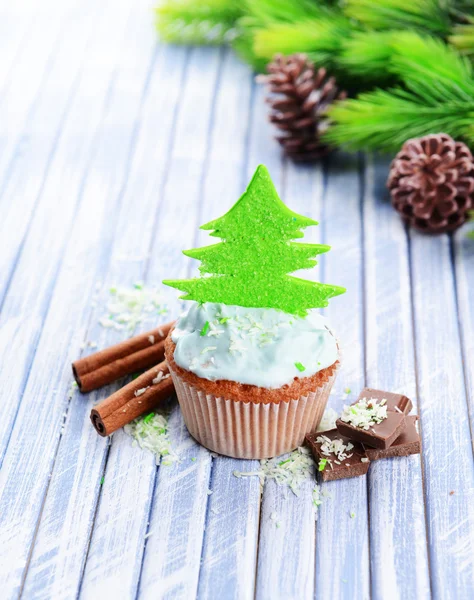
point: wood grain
(34, 440)
(172, 554)
(397, 528)
(112, 151)
(75, 484)
(447, 454)
(342, 552)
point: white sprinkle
(335, 447)
(364, 413)
(160, 377)
(213, 331)
(237, 346)
(141, 391)
(151, 339)
(364, 459)
(153, 436)
(398, 410)
(208, 349)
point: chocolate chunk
(395, 402)
(408, 443)
(377, 419)
(336, 456)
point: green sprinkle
(149, 417)
(102, 480)
(319, 363)
(205, 329)
(300, 367)
(283, 462)
(352, 513)
(113, 290)
(194, 459)
(138, 286)
(353, 410)
(322, 464)
(224, 320)
(347, 391)
(135, 376)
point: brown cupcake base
(241, 427)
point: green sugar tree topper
(251, 266)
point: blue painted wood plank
(397, 517)
(172, 553)
(35, 437)
(124, 460)
(16, 24)
(342, 558)
(447, 453)
(62, 539)
(30, 288)
(231, 529)
(464, 265)
(23, 85)
(34, 151)
(287, 522)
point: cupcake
(252, 359)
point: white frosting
(256, 346)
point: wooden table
(113, 149)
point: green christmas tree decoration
(251, 266)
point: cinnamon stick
(136, 398)
(138, 353)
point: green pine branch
(198, 21)
(287, 26)
(267, 12)
(320, 38)
(366, 54)
(431, 15)
(384, 120)
(462, 38)
(438, 97)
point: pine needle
(367, 54)
(429, 15)
(462, 38)
(198, 21)
(321, 39)
(438, 96)
(432, 69)
(267, 12)
(384, 120)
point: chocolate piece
(376, 419)
(394, 401)
(408, 443)
(336, 456)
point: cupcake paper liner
(246, 429)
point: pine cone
(431, 182)
(299, 98)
